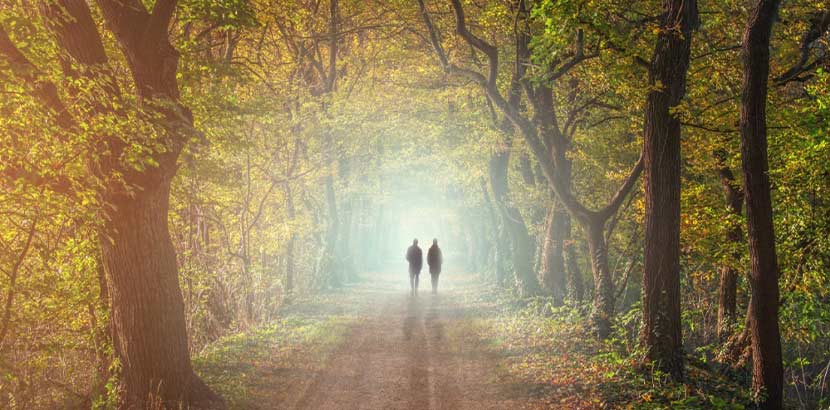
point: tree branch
(819, 25)
(43, 90)
(489, 50)
(433, 37)
(7, 312)
(621, 193)
(159, 21)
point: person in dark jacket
(434, 260)
(416, 260)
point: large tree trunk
(767, 369)
(728, 289)
(148, 319)
(147, 308)
(661, 275)
(552, 269)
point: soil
(403, 352)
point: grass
(247, 368)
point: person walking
(416, 260)
(434, 260)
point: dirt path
(405, 353)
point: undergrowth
(553, 349)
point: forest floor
(372, 346)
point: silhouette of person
(434, 260)
(416, 260)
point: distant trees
(549, 144)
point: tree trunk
(523, 250)
(498, 247)
(344, 257)
(376, 253)
(289, 246)
(767, 368)
(520, 241)
(552, 271)
(603, 309)
(147, 307)
(576, 287)
(727, 294)
(327, 267)
(661, 275)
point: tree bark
(576, 286)
(147, 308)
(499, 244)
(520, 241)
(728, 287)
(767, 368)
(603, 308)
(290, 245)
(661, 277)
(552, 270)
(344, 257)
(326, 266)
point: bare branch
(433, 37)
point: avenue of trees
(172, 171)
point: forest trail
(401, 352)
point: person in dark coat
(416, 260)
(434, 260)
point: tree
(767, 368)
(148, 322)
(728, 285)
(550, 145)
(661, 153)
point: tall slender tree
(661, 152)
(728, 286)
(767, 368)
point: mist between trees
(176, 171)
